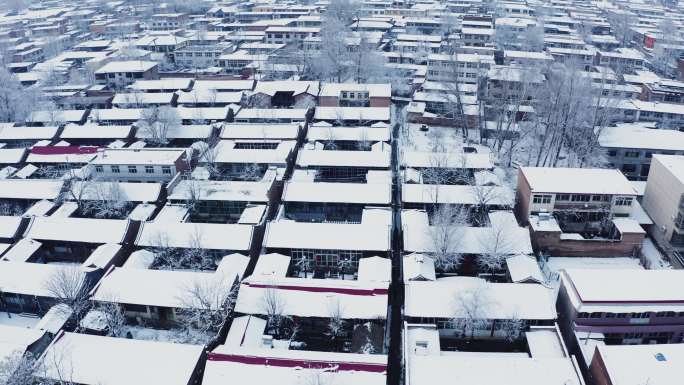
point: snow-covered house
(626, 306)
(82, 356)
(289, 367)
(140, 165)
(285, 94)
(319, 248)
(224, 201)
(160, 296)
(313, 307)
(70, 239)
(475, 309)
(344, 166)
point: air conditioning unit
(267, 341)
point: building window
(132, 169)
(628, 167)
(99, 169)
(166, 169)
(115, 169)
(623, 201)
(580, 198)
(544, 199)
(149, 169)
(563, 197)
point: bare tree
(444, 235)
(336, 324)
(16, 102)
(103, 199)
(513, 328)
(67, 285)
(305, 265)
(470, 311)
(273, 305)
(250, 172)
(17, 369)
(208, 303)
(334, 57)
(111, 316)
(497, 244)
(157, 122)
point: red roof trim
(298, 363)
(63, 150)
(314, 289)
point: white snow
(88, 360)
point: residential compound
(341, 192)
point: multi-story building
(626, 306)
(666, 91)
(664, 198)
(355, 95)
(623, 59)
(631, 146)
(167, 21)
(119, 74)
(288, 35)
(578, 211)
(464, 68)
(140, 165)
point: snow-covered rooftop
(305, 297)
(88, 360)
(293, 367)
(363, 193)
(286, 234)
(577, 180)
(498, 300)
(168, 288)
(216, 236)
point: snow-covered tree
(497, 244)
(334, 57)
(16, 102)
(273, 305)
(157, 122)
(336, 323)
(208, 303)
(513, 328)
(17, 369)
(67, 285)
(470, 311)
(104, 200)
(444, 235)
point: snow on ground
(15, 319)
(551, 267)
(179, 336)
(652, 257)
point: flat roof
(639, 137)
(85, 230)
(673, 163)
(526, 301)
(467, 368)
(661, 364)
(216, 236)
(577, 180)
(89, 360)
(167, 288)
(360, 193)
(626, 286)
(308, 297)
(287, 234)
(293, 367)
